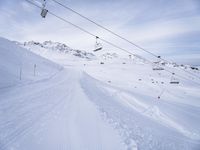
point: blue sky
(170, 28)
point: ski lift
(161, 93)
(98, 45)
(174, 80)
(44, 11)
(156, 65)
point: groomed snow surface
(84, 105)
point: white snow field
(80, 104)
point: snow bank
(19, 65)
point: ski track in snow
(130, 125)
(63, 118)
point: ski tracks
(21, 116)
(138, 131)
(55, 115)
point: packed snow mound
(56, 47)
(19, 65)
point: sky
(170, 28)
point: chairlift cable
(105, 41)
(119, 36)
(102, 27)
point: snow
(13, 59)
(56, 51)
(77, 103)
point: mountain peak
(57, 48)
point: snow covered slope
(51, 112)
(127, 94)
(98, 106)
(18, 65)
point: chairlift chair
(174, 80)
(156, 65)
(98, 45)
(44, 11)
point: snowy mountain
(62, 54)
(53, 50)
(56, 48)
(78, 104)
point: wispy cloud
(159, 26)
